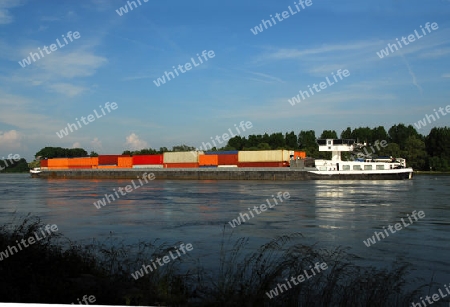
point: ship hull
(271, 174)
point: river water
(329, 213)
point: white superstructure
(336, 166)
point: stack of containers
(225, 158)
(148, 161)
(83, 163)
(208, 160)
(94, 162)
(108, 161)
(264, 158)
(125, 162)
(58, 163)
(44, 164)
(181, 159)
(299, 155)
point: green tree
(415, 153)
(380, 134)
(438, 142)
(400, 133)
(13, 166)
(392, 149)
(328, 134)
(237, 142)
(438, 164)
(183, 148)
(291, 140)
(277, 140)
(264, 146)
(58, 152)
(362, 135)
(307, 142)
(347, 133)
(76, 152)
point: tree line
(13, 166)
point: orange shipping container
(125, 162)
(94, 161)
(208, 160)
(107, 167)
(300, 154)
(85, 161)
(58, 162)
(180, 165)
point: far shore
(430, 173)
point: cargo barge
(275, 174)
(277, 165)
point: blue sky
(251, 77)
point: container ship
(229, 165)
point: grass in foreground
(57, 270)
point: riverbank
(62, 270)
(431, 173)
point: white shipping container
(148, 166)
(264, 156)
(182, 157)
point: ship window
(357, 167)
(345, 167)
(380, 167)
(367, 167)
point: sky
(118, 56)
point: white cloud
(96, 144)
(283, 54)
(71, 65)
(414, 79)
(66, 89)
(5, 15)
(10, 139)
(76, 145)
(134, 143)
(265, 77)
